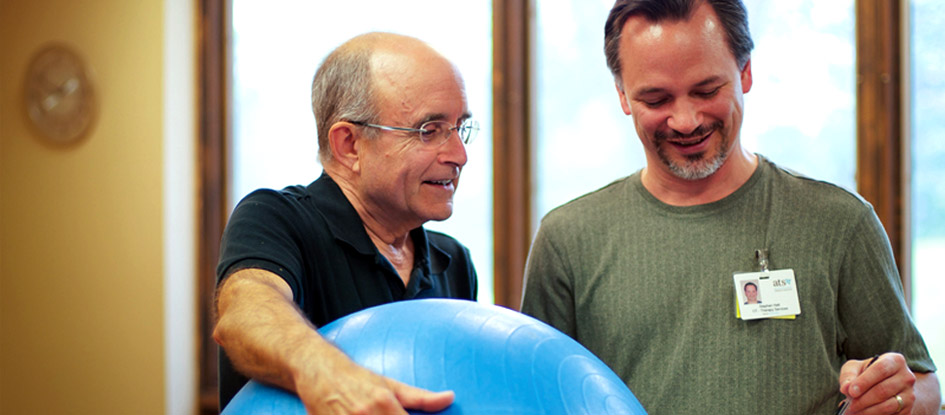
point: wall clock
(60, 98)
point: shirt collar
(342, 219)
(346, 225)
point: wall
(81, 228)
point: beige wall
(81, 267)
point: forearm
(927, 394)
(264, 334)
(269, 339)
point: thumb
(415, 398)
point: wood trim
(879, 109)
(511, 147)
(212, 186)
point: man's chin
(696, 166)
(440, 214)
(697, 171)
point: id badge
(766, 294)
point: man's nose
(686, 116)
(453, 150)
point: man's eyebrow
(649, 91)
(709, 81)
(439, 116)
(656, 90)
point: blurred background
(108, 242)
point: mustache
(700, 131)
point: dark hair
(731, 14)
(751, 284)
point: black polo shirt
(314, 239)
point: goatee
(696, 166)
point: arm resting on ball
(268, 338)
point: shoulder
(263, 203)
(593, 219)
(302, 211)
(594, 206)
(446, 243)
(321, 195)
(797, 190)
(289, 195)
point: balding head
(345, 87)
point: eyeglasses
(434, 132)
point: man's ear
(624, 103)
(343, 138)
(746, 77)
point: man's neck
(391, 238)
(673, 190)
(399, 251)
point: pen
(846, 402)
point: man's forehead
(655, 31)
(681, 54)
(417, 95)
(411, 66)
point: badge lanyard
(766, 293)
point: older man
(645, 271)
(392, 128)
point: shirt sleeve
(548, 292)
(871, 306)
(262, 233)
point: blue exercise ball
(497, 361)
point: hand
(874, 388)
(351, 389)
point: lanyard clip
(761, 256)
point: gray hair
(343, 90)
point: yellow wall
(81, 314)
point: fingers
(376, 402)
(849, 372)
(903, 406)
(368, 393)
(388, 401)
(415, 398)
(349, 389)
(874, 388)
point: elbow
(222, 323)
(219, 332)
(222, 315)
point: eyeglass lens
(439, 131)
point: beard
(694, 166)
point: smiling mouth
(691, 143)
(446, 182)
